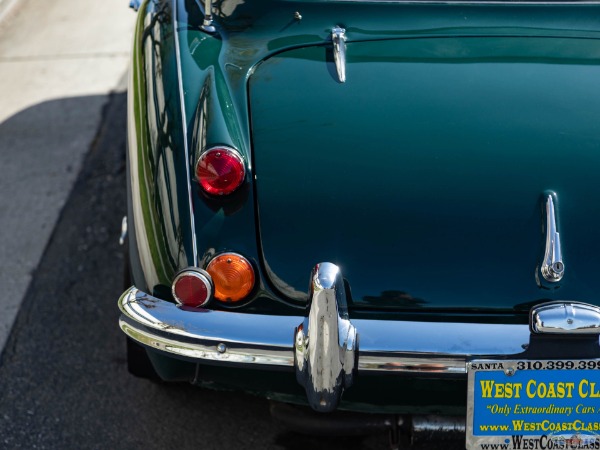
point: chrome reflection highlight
(338, 36)
(565, 318)
(135, 4)
(123, 236)
(185, 132)
(553, 267)
(436, 427)
(208, 18)
(326, 343)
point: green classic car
(372, 206)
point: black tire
(138, 362)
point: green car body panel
(428, 192)
(423, 176)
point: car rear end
(362, 199)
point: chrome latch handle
(553, 267)
(338, 36)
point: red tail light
(192, 287)
(220, 171)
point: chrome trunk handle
(553, 267)
(338, 36)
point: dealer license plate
(545, 404)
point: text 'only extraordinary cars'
(372, 206)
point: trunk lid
(423, 176)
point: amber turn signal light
(233, 277)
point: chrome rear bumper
(253, 339)
(326, 348)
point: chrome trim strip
(209, 352)
(385, 346)
(403, 363)
(432, 425)
(185, 134)
(326, 343)
(565, 317)
(338, 36)
(553, 267)
(196, 324)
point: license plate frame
(533, 403)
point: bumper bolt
(221, 348)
